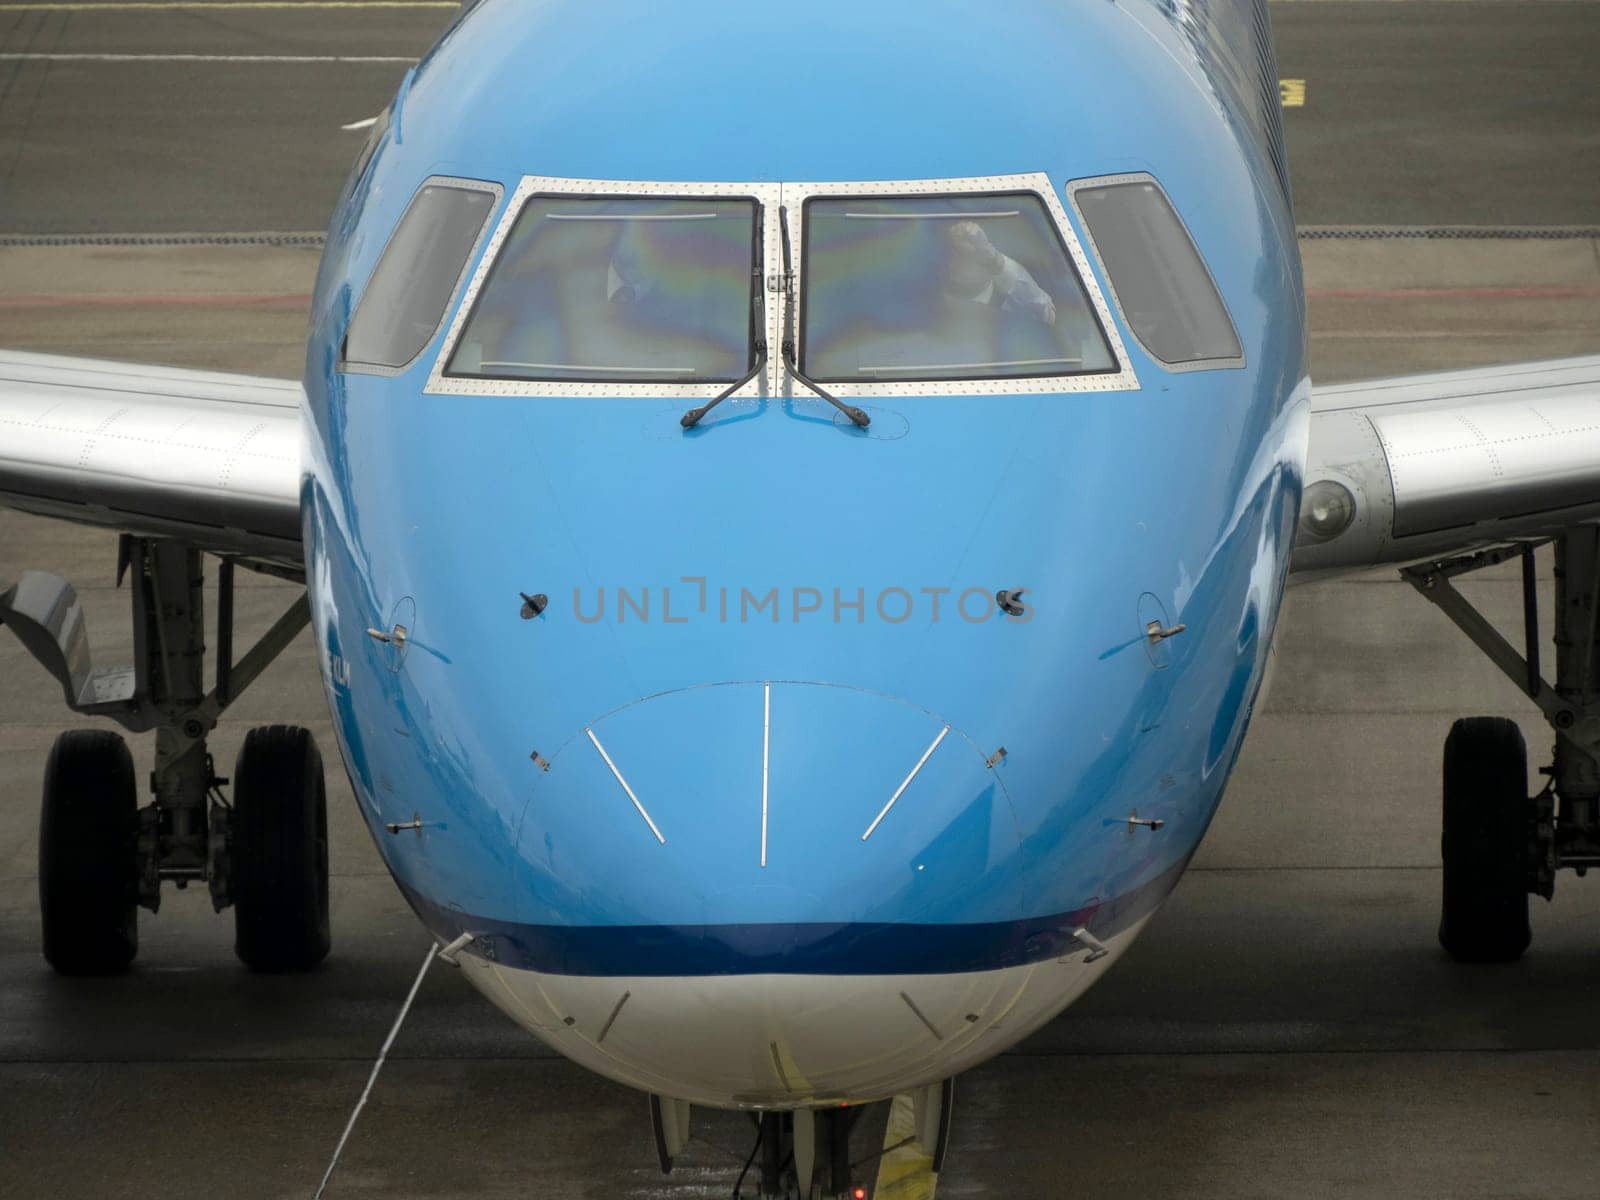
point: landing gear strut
(100, 855)
(805, 1154)
(1499, 844)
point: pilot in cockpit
(979, 272)
(627, 280)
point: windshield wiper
(758, 325)
(849, 410)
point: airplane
(794, 508)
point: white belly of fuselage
(789, 1041)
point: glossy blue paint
(1185, 490)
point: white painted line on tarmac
(355, 125)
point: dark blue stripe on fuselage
(798, 949)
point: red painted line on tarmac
(1455, 293)
(267, 300)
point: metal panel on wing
(208, 457)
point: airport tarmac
(1286, 1026)
(119, 117)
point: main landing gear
(1484, 845)
(1500, 845)
(101, 856)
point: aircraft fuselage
(771, 803)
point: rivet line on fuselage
(766, 758)
(921, 1016)
(777, 1065)
(906, 782)
(612, 1019)
(625, 787)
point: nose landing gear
(805, 1154)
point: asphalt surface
(1286, 1026)
(1414, 113)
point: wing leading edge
(210, 459)
(1400, 469)
(1411, 468)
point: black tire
(278, 851)
(88, 855)
(1485, 845)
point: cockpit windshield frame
(772, 199)
(441, 382)
(1120, 377)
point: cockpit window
(424, 261)
(1161, 283)
(380, 127)
(614, 289)
(969, 286)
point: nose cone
(770, 894)
(755, 827)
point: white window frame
(1038, 183)
(764, 194)
(775, 380)
(352, 367)
(1221, 363)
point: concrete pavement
(1286, 1026)
(1415, 113)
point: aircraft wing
(212, 459)
(1422, 466)
(1399, 469)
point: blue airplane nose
(755, 826)
(813, 872)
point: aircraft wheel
(1485, 842)
(278, 851)
(88, 855)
